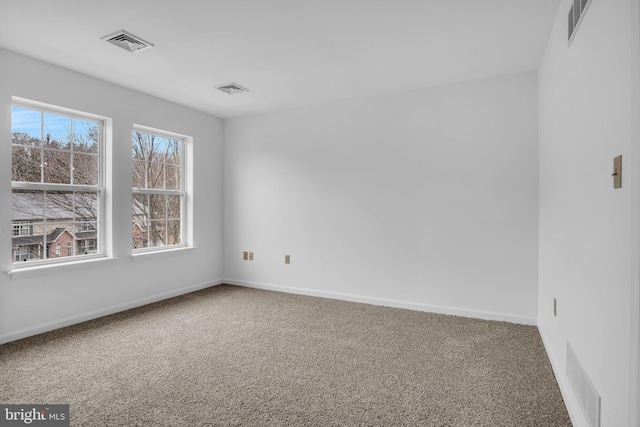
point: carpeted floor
(230, 356)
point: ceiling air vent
(127, 41)
(576, 14)
(232, 88)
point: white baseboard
(476, 314)
(571, 402)
(72, 320)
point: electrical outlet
(555, 308)
(250, 256)
(287, 259)
(245, 256)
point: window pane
(139, 174)
(173, 232)
(29, 251)
(155, 177)
(86, 206)
(140, 207)
(158, 147)
(85, 136)
(139, 234)
(27, 207)
(140, 211)
(157, 233)
(157, 206)
(25, 164)
(39, 229)
(174, 152)
(173, 177)
(26, 126)
(59, 206)
(60, 240)
(57, 131)
(85, 169)
(87, 237)
(142, 146)
(57, 167)
(19, 138)
(173, 207)
(57, 234)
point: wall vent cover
(583, 388)
(127, 41)
(232, 88)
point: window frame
(18, 229)
(183, 192)
(99, 189)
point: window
(158, 205)
(86, 246)
(22, 229)
(56, 180)
(22, 254)
(85, 226)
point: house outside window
(56, 179)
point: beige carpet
(230, 356)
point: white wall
(585, 225)
(30, 305)
(424, 199)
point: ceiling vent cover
(127, 41)
(232, 88)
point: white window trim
(104, 245)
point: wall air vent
(583, 388)
(232, 88)
(576, 13)
(127, 41)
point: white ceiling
(287, 52)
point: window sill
(41, 270)
(162, 253)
